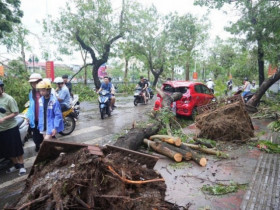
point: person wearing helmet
(63, 94)
(246, 87)
(10, 141)
(33, 110)
(210, 84)
(68, 84)
(50, 115)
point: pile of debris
(227, 122)
(82, 180)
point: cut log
(169, 139)
(187, 155)
(204, 150)
(134, 138)
(158, 147)
(200, 160)
(168, 99)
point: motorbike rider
(144, 85)
(68, 84)
(63, 95)
(113, 98)
(50, 116)
(210, 84)
(106, 85)
(10, 141)
(247, 87)
(33, 110)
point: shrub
(85, 92)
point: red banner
(2, 71)
(195, 75)
(50, 70)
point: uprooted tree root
(229, 122)
(81, 180)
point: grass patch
(220, 189)
(180, 165)
(85, 92)
(268, 147)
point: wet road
(90, 129)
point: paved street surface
(90, 129)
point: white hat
(209, 79)
(58, 80)
(35, 77)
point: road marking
(8, 183)
(82, 131)
(75, 133)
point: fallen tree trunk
(158, 147)
(169, 139)
(134, 138)
(263, 88)
(187, 154)
(204, 150)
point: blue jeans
(245, 93)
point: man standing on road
(10, 141)
(113, 94)
(33, 110)
(210, 84)
(67, 83)
(144, 85)
(106, 85)
(63, 95)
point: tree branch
(84, 66)
(86, 47)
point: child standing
(50, 116)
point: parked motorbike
(139, 96)
(104, 103)
(70, 116)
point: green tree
(187, 33)
(259, 22)
(10, 14)
(16, 41)
(94, 26)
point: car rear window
(170, 89)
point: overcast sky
(35, 12)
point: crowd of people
(44, 115)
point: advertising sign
(50, 70)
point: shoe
(37, 149)
(12, 169)
(114, 106)
(22, 171)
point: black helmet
(1, 83)
(65, 76)
(246, 79)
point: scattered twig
(34, 201)
(81, 202)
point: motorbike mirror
(2, 110)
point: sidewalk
(264, 189)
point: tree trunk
(149, 76)
(85, 81)
(187, 71)
(134, 138)
(125, 70)
(263, 88)
(160, 148)
(260, 62)
(156, 76)
(172, 73)
(96, 80)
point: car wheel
(194, 113)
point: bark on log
(169, 139)
(158, 147)
(263, 88)
(204, 150)
(134, 138)
(168, 99)
(187, 154)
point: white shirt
(210, 84)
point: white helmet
(209, 79)
(35, 77)
(58, 80)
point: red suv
(194, 94)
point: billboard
(102, 71)
(50, 70)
